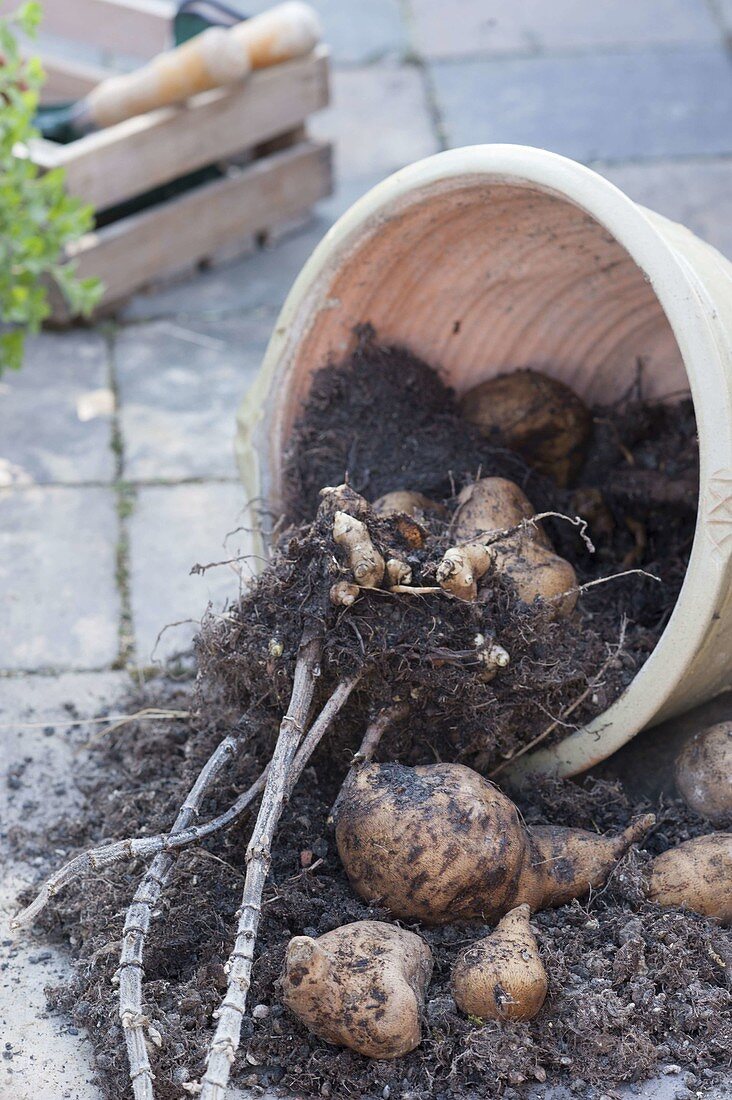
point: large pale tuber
(364, 560)
(408, 503)
(360, 986)
(697, 875)
(704, 772)
(438, 843)
(540, 417)
(486, 508)
(502, 977)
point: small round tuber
(462, 567)
(407, 503)
(502, 977)
(696, 875)
(485, 508)
(538, 416)
(360, 986)
(398, 571)
(344, 594)
(438, 843)
(364, 560)
(704, 772)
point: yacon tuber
(704, 772)
(438, 843)
(360, 986)
(486, 508)
(364, 560)
(538, 416)
(696, 875)
(408, 503)
(502, 977)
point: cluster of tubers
(439, 844)
(495, 529)
(432, 844)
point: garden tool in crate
(217, 46)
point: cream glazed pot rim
(649, 241)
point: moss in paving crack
(125, 507)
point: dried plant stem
(376, 730)
(280, 781)
(137, 923)
(179, 837)
(143, 847)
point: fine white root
(364, 560)
(280, 780)
(411, 590)
(137, 922)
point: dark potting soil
(632, 988)
(386, 421)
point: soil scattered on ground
(632, 988)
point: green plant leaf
(38, 219)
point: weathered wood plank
(128, 159)
(135, 250)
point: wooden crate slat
(128, 159)
(69, 80)
(134, 251)
(138, 28)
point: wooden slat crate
(254, 133)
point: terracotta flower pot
(495, 257)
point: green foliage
(37, 218)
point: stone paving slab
(356, 33)
(696, 193)
(57, 578)
(260, 280)
(615, 106)
(56, 413)
(180, 383)
(724, 10)
(171, 529)
(43, 1059)
(379, 121)
(531, 26)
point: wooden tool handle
(210, 60)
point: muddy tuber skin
(704, 772)
(408, 503)
(438, 843)
(495, 504)
(696, 875)
(540, 417)
(502, 977)
(360, 986)
(364, 560)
